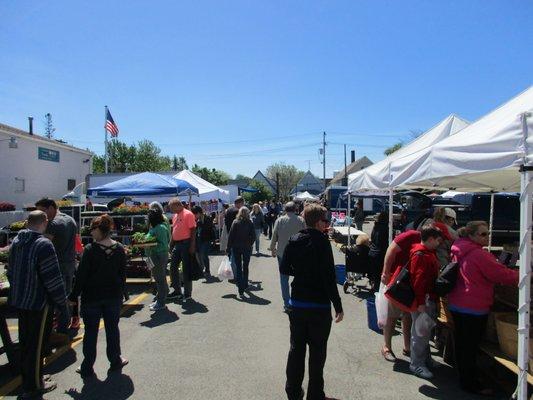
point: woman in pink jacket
(472, 297)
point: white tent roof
(304, 196)
(206, 190)
(485, 155)
(379, 175)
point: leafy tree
(289, 176)
(179, 164)
(262, 193)
(148, 158)
(214, 176)
(240, 177)
(393, 148)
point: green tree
(241, 177)
(48, 126)
(393, 148)
(179, 164)
(289, 176)
(214, 176)
(262, 193)
(148, 158)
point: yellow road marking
(16, 382)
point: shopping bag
(424, 324)
(224, 270)
(382, 306)
(149, 263)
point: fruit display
(140, 228)
(64, 203)
(4, 206)
(123, 209)
(141, 238)
(17, 226)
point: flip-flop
(388, 355)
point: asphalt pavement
(221, 347)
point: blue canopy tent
(144, 184)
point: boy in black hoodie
(309, 258)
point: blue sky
(238, 85)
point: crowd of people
(44, 275)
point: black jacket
(205, 231)
(241, 235)
(231, 214)
(380, 240)
(309, 258)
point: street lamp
(13, 144)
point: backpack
(447, 279)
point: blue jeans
(242, 261)
(180, 253)
(257, 237)
(92, 313)
(203, 255)
(284, 282)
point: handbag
(400, 292)
(447, 278)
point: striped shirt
(33, 273)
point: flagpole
(105, 130)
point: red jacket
(423, 269)
(479, 271)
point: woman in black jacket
(378, 248)
(100, 280)
(240, 240)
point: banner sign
(48, 154)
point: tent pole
(349, 218)
(524, 283)
(491, 219)
(391, 216)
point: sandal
(388, 355)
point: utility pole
(277, 186)
(324, 157)
(345, 169)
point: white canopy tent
(206, 190)
(379, 175)
(304, 196)
(493, 153)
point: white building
(32, 166)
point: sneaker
(157, 307)
(187, 298)
(421, 372)
(174, 295)
(152, 304)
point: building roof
(263, 178)
(26, 135)
(310, 183)
(357, 165)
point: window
(20, 185)
(71, 184)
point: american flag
(110, 125)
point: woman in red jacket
(471, 298)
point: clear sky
(238, 85)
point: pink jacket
(479, 271)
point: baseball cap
(450, 213)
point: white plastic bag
(424, 324)
(382, 306)
(225, 271)
(149, 263)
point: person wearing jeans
(205, 234)
(258, 220)
(183, 248)
(101, 281)
(309, 258)
(285, 226)
(158, 256)
(423, 270)
(240, 240)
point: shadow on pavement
(129, 310)
(192, 307)
(116, 386)
(160, 317)
(211, 279)
(61, 363)
(253, 299)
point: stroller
(357, 267)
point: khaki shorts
(394, 312)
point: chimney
(353, 155)
(30, 120)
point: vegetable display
(125, 210)
(17, 226)
(141, 238)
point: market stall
(206, 190)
